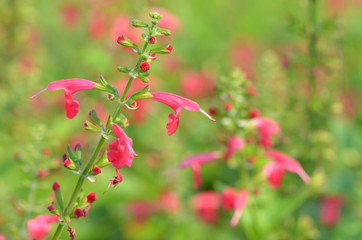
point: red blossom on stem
(267, 128)
(91, 197)
(234, 144)
(331, 210)
(195, 163)
(177, 103)
(120, 151)
(206, 205)
(70, 87)
(152, 40)
(145, 66)
(79, 213)
(55, 186)
(96, 170)
(274, 171)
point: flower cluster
(250, 139)
(120, 152)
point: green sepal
(123, 69)
(59, 198)
(161, 50)
(93, 116)
(91, 127)
(103, 161)
(144, 78)
(76, 157)
(138, 23)
(163, 31)
(121, 121)
(142, 94)
(106, 87)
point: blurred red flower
(331, 210)
(40, 226)
(274, 171)
(206, 205)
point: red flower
(331, 210)
(79, 213)
(234, 144)
(233, 200)
(267, 129)
(170, 48)
(40, 226)
(121, 152)
(206, 206)
(145, 66)
(70, 87)
(96, 170)
(91, 197)
(55, 186)
(196, 161)
(274, 171)
(176, 103)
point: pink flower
(267, 129)
(141, 210)
(274, 171)
(233, 200)
(177, 103)
(121, 152)
(70, 14)
(234, 144)
(331, 210)
(196, 161)
(206, 205)
(40, 226)
(70, 87)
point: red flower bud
(145, 66)
(213, 111)
(152, 40)
(253, 113)
(228, 106)
(79, 213)
(85, 125)
(55, 186)
(42, 174)
(51, 208)
(120, 39)
(96, 170)
(251, 90)
(91, 197)
(170, 48)
(153, 56)
(67, 163)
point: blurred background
(302, 57)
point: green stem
(313, 37)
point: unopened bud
(152, 40)
(124, 41)
(55, 186)
(155, 15)
(123, 69)
(96, 170)
(51, 208)
(145, 66)
(79, 213)
(91, 197)
(163, 31)
(152, 56)
(138, 23)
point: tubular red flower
(330, 213)
(195, 163)
(70, 87)
(121, 152)
(206, 205)
(234, 144)
(267, 129)
(240, 202)
(274, 171)
(177, 102)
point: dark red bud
(51, 207)
(152, 40)
(96, 170)
(91, 197)
(145, 66)
(55, 186)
